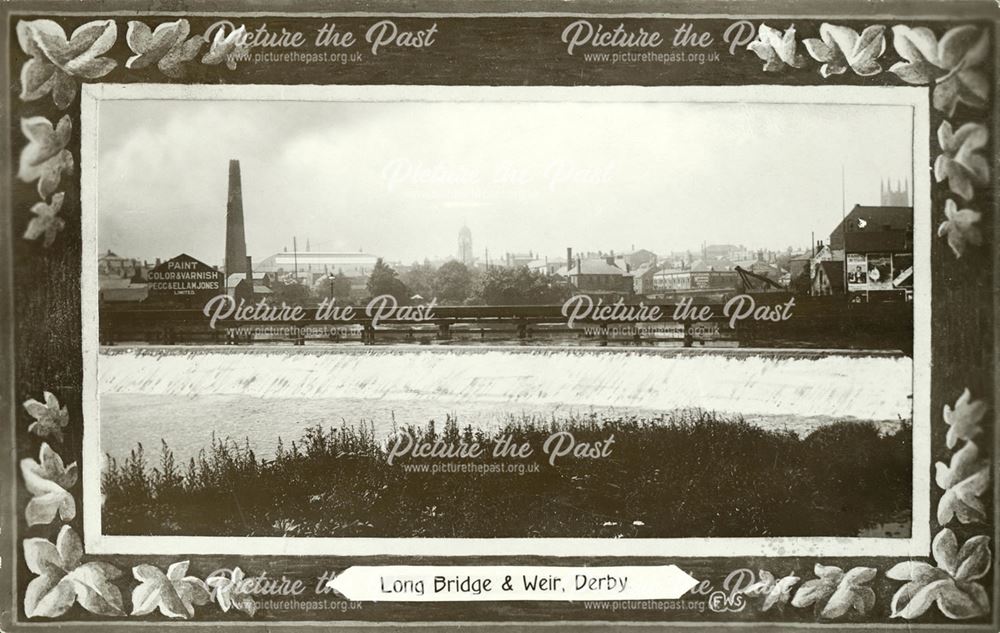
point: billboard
(902, 270)
(879, 271)
(874, 272)
(857, 272)
(184, 276)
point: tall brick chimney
(236, 242)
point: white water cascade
(842, 385)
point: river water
(185, 394)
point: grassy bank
(682, 475)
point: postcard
(533, 315)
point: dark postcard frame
(953, 55)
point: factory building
(311, 267)
(876, 244)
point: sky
(399, 179)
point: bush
(686, 474)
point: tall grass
(686, 474)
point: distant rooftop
(595, 267)
(834, 271)
(871, 228)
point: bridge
(812, 322)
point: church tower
(465, 246)
(896, 196)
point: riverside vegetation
(677, 475)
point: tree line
(452, 283)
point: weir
(843, 385)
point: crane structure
(751, 280)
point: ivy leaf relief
(951, 584)
(777, 49)
(173, 593)
(48, 482)
(961, 163)
(963, 420)
(50, 418)
(960, 228)
(953, 64)
(46, 224)
(168, 46)
(61, 579)
(230, 592)
(56, 61)
(961, 501)
(45, 157)
(842, 48)
(226, 48)
(776, 592)
(834, 593)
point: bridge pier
(368, 334)
(233, 337)
(106, 336)
(522, 330)
(604, 335)
(444, 331)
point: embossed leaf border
(952, 584)
(951, 66)
(59, 62)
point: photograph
(477, 277)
